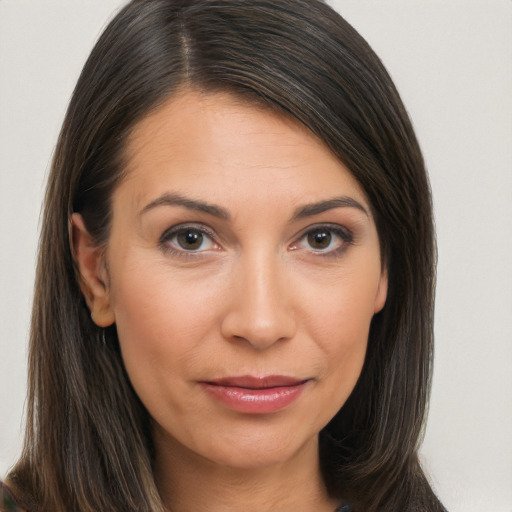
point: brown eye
(190, 239)
(329, 240)
(319, 238)
(183, 240)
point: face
(242, 272)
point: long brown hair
(88, 444)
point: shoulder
(8, 502)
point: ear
(93, 272)
(382, 291)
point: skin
(258, 296)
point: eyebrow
(323, 206)
(218, 211)
(190, 204)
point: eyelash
(338, 231)
(335, 230)
(171, 233)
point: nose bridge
(260, 311)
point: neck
(190, 483)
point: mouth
(256, 395)
(250, 382)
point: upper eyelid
(204, 228)
(340, 230)
(336, 228)
(167, 245)
(343, 233)
(190, 225)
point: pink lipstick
(256, 395)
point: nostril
(258, 311)
(258, 331)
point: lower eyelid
(168, 243)
(345, 236)
(345, 239)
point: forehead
(216, 142)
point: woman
(234, 293)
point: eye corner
(188, 240)
(331, 240)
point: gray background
(452, 62)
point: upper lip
(252, 382)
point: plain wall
(452, 63)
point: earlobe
(90, 261)
(382, 291)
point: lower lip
(255, 401)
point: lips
(256, 395)
(250, 382)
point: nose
(259, 307)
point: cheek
(160, 323)
(340, 325)
(154, 305)
(342, 310)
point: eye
(190, 239)
(319, 238)
(324, 240)
(187, 239)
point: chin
(255, 452)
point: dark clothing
(8, 502)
